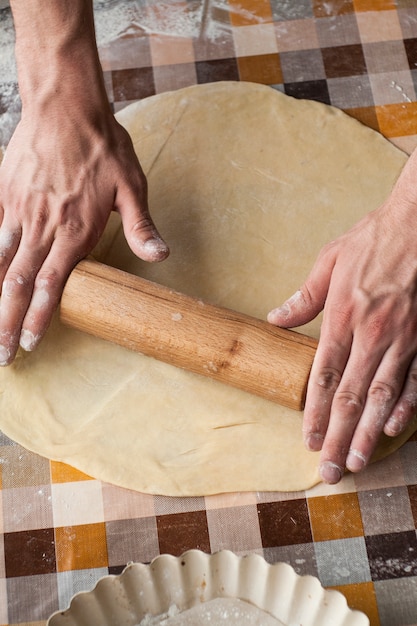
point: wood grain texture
(225, 345)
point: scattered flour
(217, 612)
(173, 18)
(208, 19)
(9, 97)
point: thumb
(306, 303)
(299, 309)
(140, 231)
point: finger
(383, 393)
(406, 406)
(15, 296)
(299, 309)
(20, 259)
(346, 409)
(9, 243)
(308, 301)
(325, 377)
(45, 298)
(139, 229)
(31, 290)
(47, 292)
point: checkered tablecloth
(60, 531)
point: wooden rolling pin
(230, 347)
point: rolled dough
(246, 184)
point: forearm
(56, 54)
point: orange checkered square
(247, 12)
(81, 547)
(335, 517)
(63, 473)
(263, 68)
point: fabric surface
(60, 530)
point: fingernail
(4, 355)
(281, 312)
(330, 472)
(355, 461)
(394, 426)
(156, 247)
(27, 340)
(314, 442)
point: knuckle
(144, 224)
(399, 419)
(49, 274)
(328, 378)
(305, 295)
(76, 230)
(381, 392)
(15, 283)
(376, 329)
(38, 225)
(406, 407)
(48, 280)
(73, 227)
(410, 399)
(46, 290)
(349, 401)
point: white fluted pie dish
(172, 585)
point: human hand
(364, 376)
(61, 177)
(68, 165)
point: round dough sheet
(246, 185)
